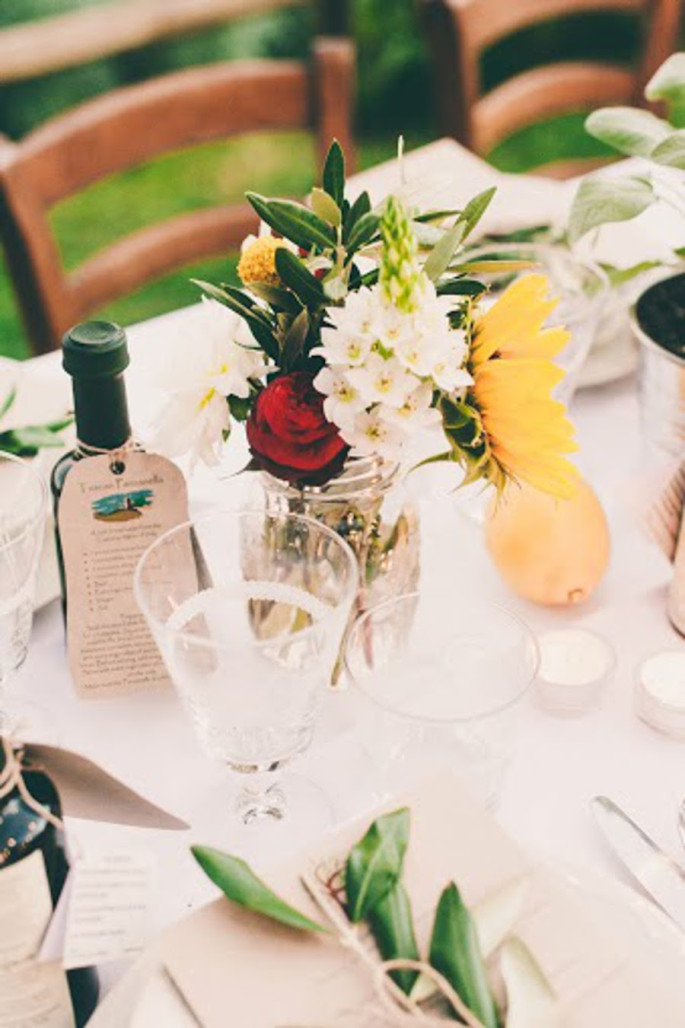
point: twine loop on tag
(117, 456)
(12, 777)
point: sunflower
(525, 431)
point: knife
(656, 872)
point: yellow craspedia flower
(258, 261)
(527, 432)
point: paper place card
(108, 907)
(109, 513)
(31, 993)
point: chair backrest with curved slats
(129, 126)
(460, 30)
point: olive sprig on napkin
(375, 895)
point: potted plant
(659, 313)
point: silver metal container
(662, 385)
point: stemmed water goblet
(23, 507)
(248, 610)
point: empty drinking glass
(248, 609)
(23, 506)
(443, 684)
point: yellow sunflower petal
(513, 326)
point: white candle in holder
(661, 692)
(575, 665)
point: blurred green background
(394, 95)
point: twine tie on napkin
(12, 777)
(394, 1005)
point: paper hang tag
(89, 792)
(106, 910)
(109, 513)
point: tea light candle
(661, 692)
(575, 664)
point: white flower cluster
(382, 366)
(216, 362)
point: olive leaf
(438, 215)
(455, 953)
(237, 301)
(275, 296)
(334, 173)
(619, 276)
(476, 208)
(460, 287)
(297, 277)
(444, 250)
(392, 926)
(294, 221)
(364, 230)
(374, 865)
(360, 207)
(8, 401)
(240, 884)
(29, 439)
(239, 406)
(492, 265)
(294, 340)
(325, 207)
(442, 253)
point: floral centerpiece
(358, 328)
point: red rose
(289, 434)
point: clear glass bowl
(582, 286)
(442, 686)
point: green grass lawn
(215, 174)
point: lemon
(553, 552)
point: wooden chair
(123, 129)
(460, 30)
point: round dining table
(559, 764)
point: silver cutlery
(656, 872)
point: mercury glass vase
(368, 505)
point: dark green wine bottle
(27, 836)
(95, 354)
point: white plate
(653, 941)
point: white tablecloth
(559, 764)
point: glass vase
(369, 507)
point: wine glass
(248, 609)
(23, 507)
(441, 686)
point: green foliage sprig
(332, 234)
(28, 440)
(636, 133)
(375, 894)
